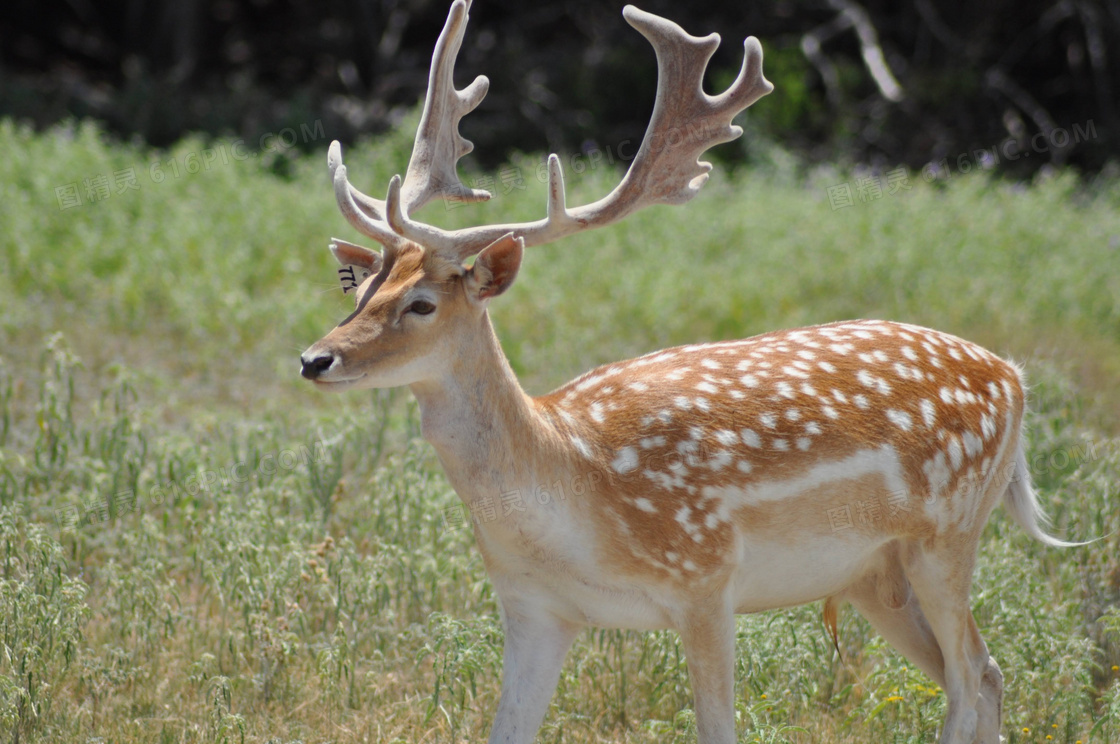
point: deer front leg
(535, 646)
(708, 637)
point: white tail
(850, 462)
(1023, 507)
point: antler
(685, 122)
(436, 150)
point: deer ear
(357, 263)
(495, 268)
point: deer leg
(535, 646)
(990, 707)
(941, 581)
(708, 637)
(904, 625)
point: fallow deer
(851, 462)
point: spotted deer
(851, 462)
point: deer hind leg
(990, 707)
(973, 684)
(884, 597)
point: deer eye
(422, 307)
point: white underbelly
(761, 574)
(769, 575)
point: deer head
(417, 304)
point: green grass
(196, 547)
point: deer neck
(476, 414)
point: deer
(854, 463)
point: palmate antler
(436, 150)
(686, 121)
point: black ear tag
(351, 277)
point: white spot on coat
(955, 452)
(987, 427)
(581, 445)
(973, 445)
(901, 419)
(929, 412)
(726, 437)
(937, 473)
(589, 382)
(625, 461)
(720, 460)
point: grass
(196, 547)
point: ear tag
(351, 277)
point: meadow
(196, 546)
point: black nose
(314, 366)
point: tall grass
(196, 548)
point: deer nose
(315, 365)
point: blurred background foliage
(885, 83)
